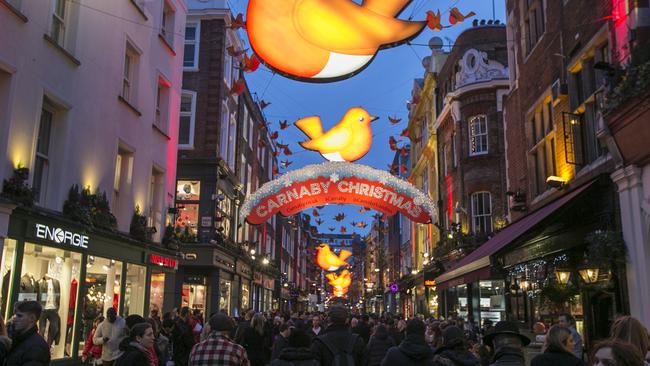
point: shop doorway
(194, 296)
(602, 315)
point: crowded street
(325, 182)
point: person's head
(338, 315)
(249, 315)
(258, 323)
(454, 338)
(630, 330)
(154, 312)
(26, 314)
(566, 320)
(401, 325)
(111, 315)
(299, 339)
(506, 334)
(315, 321)
(133, 319)
(154, 326)
(415, 327)
(614, 352)
(98, 320)
(354, 322)
(220, 322)
(559, 338)
(185, 313)
(285, 330)
(143, 334)
(539, 328)
(168, 325)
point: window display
(492, 302)
(224, 296)
(245, 296)
(8, 261)
(188, 195)
(103, 284)
(193, 296)
(157, 292)
(50, 276)
(134, 291)
(187, 190)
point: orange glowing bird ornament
(328, 260)
(341, 281)
(349, 140)
(325, 40)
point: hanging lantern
(589, 274)
(562, 276)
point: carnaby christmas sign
(338, 183)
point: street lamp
(589, 274)
(265, 261)
(562, 276)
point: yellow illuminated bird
(348, 141)
(340, 282)
(327, 260)
(323, 40)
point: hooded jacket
(340, 336)
(554, 356)
(134, 355)
(455, 357)
(378, 346)
(412, 351)
(291, 356)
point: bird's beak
(372, 119)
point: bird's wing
(333, 141)
(343, 26)
(389, 8)
(311, 126)
(345, 254)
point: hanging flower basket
(605, 248)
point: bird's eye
(361, 119)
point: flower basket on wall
(16, 189)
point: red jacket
(95, 349)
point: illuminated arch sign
(337, 183)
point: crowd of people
(336, 338)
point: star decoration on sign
(334, 178)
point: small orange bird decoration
(392, 143)
(238, 87)
(328, 260)
(234, 53)
(284, 124)
(315, 213)
(340, 282)
(455, 16)
(394, 120)
(274, 135)
(238, 22)
(434, 21)
(250, 64)
(349, 140)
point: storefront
(207, 280)
(245, 274)
(268, 286)
(77, 275)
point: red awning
(475, 266)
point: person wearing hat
(218, 349)
(507, 342)
(337, 342)
(413, 350)
(455, 349)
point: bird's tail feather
(344, 254)
(311, 126)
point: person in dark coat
(379, 345)
(135, 351)
(338, 336)
(413, 350)
(454, 350)
(558, 349)
(362, 329)
(182, 338)
(242, 326)
(28, 347)
(297, 352)
(257, 342)
(507, 342)
(282, 341)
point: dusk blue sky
(383, 88)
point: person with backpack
(337, 345)
(413, 350)
(380, 343)
(297, 352)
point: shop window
(157, 292)
(155, 211)
(51, 277)
(193, 296)
(188, 194)
(187, 120)
(8, 262)
(42, 157)
(224, 214)
(482, 212)
(478, 135)
(225, 288)
(134, 291)
(492, 300)
(192, 41)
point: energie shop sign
(61, 236)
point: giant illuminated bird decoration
(328, 260)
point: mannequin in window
(28, 287)
(50, 299)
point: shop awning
(476, 265)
